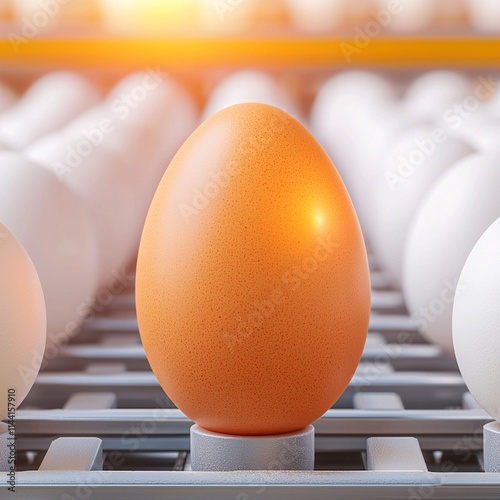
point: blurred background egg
(409, 15)
(451, 12)
(354, 108)
(58, 233)
(417, 158)
(476, 321)
(153, 17)
(46, 16)
(480, 131)
(252, 288)
(459, 207)
(249, 86)
(430, 95)
(484, 14)
(114, 155)
(318, 15)
(23, 324)
(148, 99)
(95, 177)
(47, 105)
(235, 17)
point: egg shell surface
(476, 321)
(252, 287)
(23, 322)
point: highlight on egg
(252, 286)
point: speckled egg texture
(253, 290)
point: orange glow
(149, 16)
(187, 53)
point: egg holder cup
(212, 451)
(491, 447)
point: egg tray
(97, 425)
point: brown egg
(253, 291)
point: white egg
(114, 155)
(318, 15)
(47, 105)
(352, 109)
(145, 99)
(411, 166)
(476, 321)
(346, 98)
(460, 206)
(485, 14)
(409, 15)
(98, 176)
(249, 86)
(23, 322)
(429, 96)
(149, 131)
(357, 86)
(58, 233)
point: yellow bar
(235, 53)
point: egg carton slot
(98, 424)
